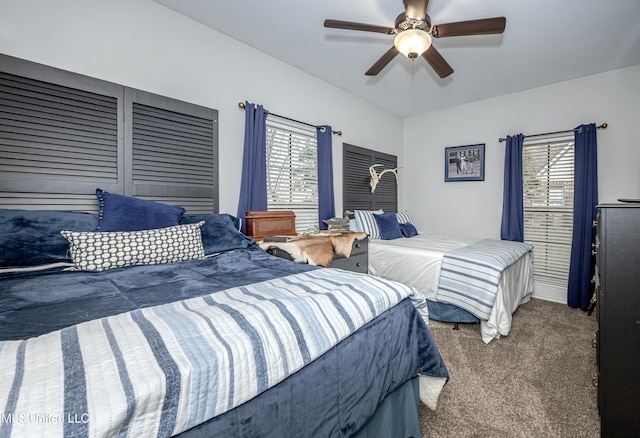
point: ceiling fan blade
(382, 62)
(437, 62)
(350, 25)
(416, 9)
(472, 27)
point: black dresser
(357, 261)
(618, 311)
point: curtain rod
(242, 105)
(603, 126)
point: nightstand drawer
(360, 247)
(355, 263)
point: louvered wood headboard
(62, 135)
(356, 190)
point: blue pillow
(408, 230)
(126, 213)
(219, 232)
(388, 226)
(32, 237)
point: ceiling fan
(413, 34)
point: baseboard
(548, 292)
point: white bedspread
(416, 262)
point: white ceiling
(545, 41)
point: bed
(447, 271)
(189, 328)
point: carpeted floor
(536, 382)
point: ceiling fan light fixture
(412, 42)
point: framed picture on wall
(464, 163)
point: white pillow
(367, 223)
(97, 251)
(404, 218)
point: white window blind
(548, 206)
(292, 172)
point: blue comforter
(114, 337)
(35, 303)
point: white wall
(144, 45)
(474, 208)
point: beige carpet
(536, 382)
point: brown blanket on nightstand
(317, 249)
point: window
(547, 167)
(292, 172)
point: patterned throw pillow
(404, 218)
(97, 251)
(367, 223)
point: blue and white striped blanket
(469, 276)
(161, 370)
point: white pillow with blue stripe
(404, 218)
(367, 223)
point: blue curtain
(585, 200)
(512, 227)
(253, 186)
(326, 205)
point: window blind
(548, 206)
(292, 172)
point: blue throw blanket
(469, 276)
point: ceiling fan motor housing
(404, 23)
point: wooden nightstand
(358, 261)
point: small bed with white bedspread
(463, 279)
